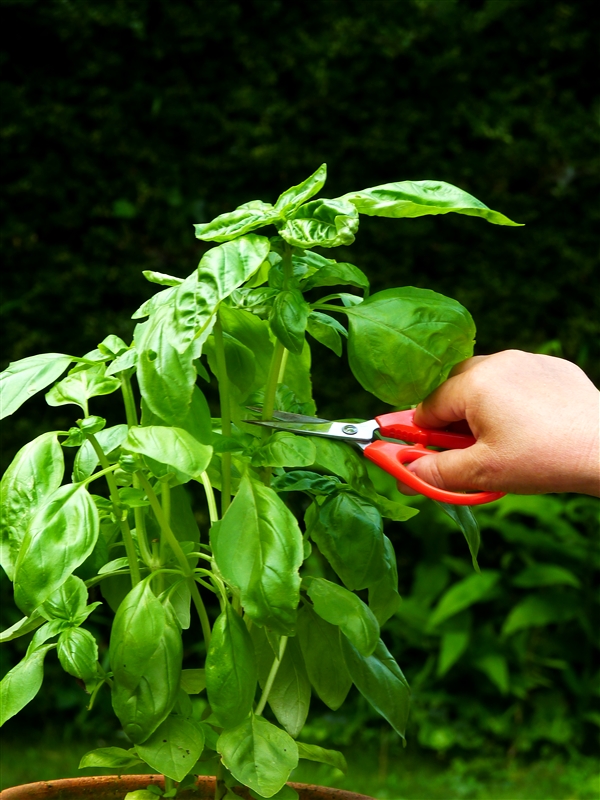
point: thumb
(454, 470)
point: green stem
(225, 413)
(169, 783)
(118, 510)
(210, 498)
(166, 507)
(272, 383)
(128, 399)
(179, 555)
(271, 679)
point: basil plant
(120, 531)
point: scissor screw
(350, 429)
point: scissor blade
(285, 416)
(359, 433)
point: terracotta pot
(115, 787)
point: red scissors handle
(400, 425)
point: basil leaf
(125, 361)
(197, 421)
(154, 303)
(241, 365)
(466, 520)
(288, 318)
(78, 654)
(34, 474)
(320, 644)
(193, 681)
(303, 481)
(285, 449)
(334, 273)
(110, 758)
(78, 387)
(22, 379)
(258, 550)
(68, 601)
(260, 755)
(323, 223)
(19, 686)
(417, 198)
(60, 536)
(380, 681)
(289, 696)
(325, 330)
(313, 752)
(348, 531)
(161, 278)
(384, 599)
(112, 346)
(166, 377)
(343, 608)
(290, 200)
(173, 748)
(20, 628)
(403, 342)
(245, 218)
(230, 670)
(87, 460)
(465, 593)
(169, 450)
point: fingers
(455, 470)
(446, 404)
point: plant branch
(272, 675)
(225, 413)
(210, 498)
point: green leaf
(494, 665)
(380, 681)
(349, 533)
(110, 758)
(241, 365)
(258, 550)
(68, 601)
(335, 273)
(340, 607)
(323, 658)
(417, 198)
(78, 387)
(34, 474)
(313, 752)
(260, 755)
(323, 223)
(196, 421)
(304, 481)
(384, 599)
(161, 278)
(325, 329)
(20, 628)
(245, 218)
(60, 536)
(78, 654)
(285, 449)
(193, 681)
(231, 672)
(465, 593)
(466, 520)
(173, 748)
(546, 575)
(86, 459)
(112, 346)
(169, 450)
(540, 609)
(22, 379)
(403, 342)
(288, 318)
(290, 200)
(289, 696)
(125, 361)
(22, 683)
(166, 377)
(455, 640)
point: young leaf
(34, 474)
(466, 520)
(110, 758)
(161, 278)
(258, 550)
(22, 683)
(322, 223)
(335, 273)
(417, 198)
(303, 481)
(125, 361)
(197, 421)
(22, 379)
(349, 533)
(169, 450)
(313, 752)
(325, 329)
(20, 628)
(380, 681)
(403, 342)
(230, 670)
(343, 608)
(384, 599)
(86, 459)
(193, 681)
(78, 387)
(60, 536)
(290, 200)
(78, 654)
(474, 589)
(260, 755)
(285, 449)
(173, 748)
(68, 602)
(288, 318)
(245, 218)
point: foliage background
(125, 121)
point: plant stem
(210, 498)
(272, 383)
(128, 399)
(271, 679)
(179, 555)
(118, 510)
(225, 413)
(166, 508)
(169, 783)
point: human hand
(536, 421)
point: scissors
(390, 456)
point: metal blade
(285, 416)
(360, 433)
